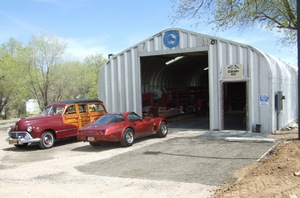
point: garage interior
(177, 86)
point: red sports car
(122, 127)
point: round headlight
(9, 129)
(29, 129)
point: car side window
(56, 110)
(82, 108)
(95, 107)
(118, 118)
(134, 117)
(71, 110)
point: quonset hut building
(236, 86)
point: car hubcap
(164, 129)
(48, 140)
(129, 137)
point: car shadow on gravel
(35, 146)
(100, 148)
(103, 146)
(30, 147)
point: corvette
(122, 127)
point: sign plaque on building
(171, 38)
(234, 71)
(264, 100)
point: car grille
(15, 135)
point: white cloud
(79, 48)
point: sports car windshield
(109, 118)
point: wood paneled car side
(59, 120)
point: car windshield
(53, 110)
(109, 118)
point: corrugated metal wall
(120, 85)
(221, 54)
(283, 78)
(120, 78)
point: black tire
(163, 130)
(95, 144)
(47, 140)
(21, 145)
(127, 138)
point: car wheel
(47, 140)
(95, 144)
(163, 130)
(21, 145)
(128, 137)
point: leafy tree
(67, 83)
(89, 84)
(274, 15)
(11, 74)
(39, 71)
(46, 53)
(75, 79)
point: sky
(91, 27)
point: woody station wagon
(57, 121)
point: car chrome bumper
(21, 137)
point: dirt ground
(276, 175)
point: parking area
(193, 159)
(187, 163)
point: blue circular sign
(171, 38)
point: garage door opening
(234, 106)
(176, 86)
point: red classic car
(122, 127)
(58, 120)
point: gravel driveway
(187, 163)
